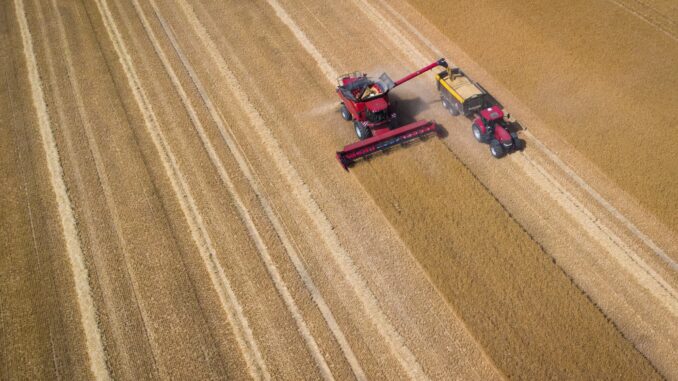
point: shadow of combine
(408, 109)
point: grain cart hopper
(461, 95)
(365, 101)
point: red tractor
(365, 102)
(491, 127)
(461, 95)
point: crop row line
(220, 282)
(87, 308)
(226, 179)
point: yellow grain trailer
(460, 94)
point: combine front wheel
(361, 131)
(345, 114)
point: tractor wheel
(518, 144)
(345, 114)
(477, 133)
(362, 131)
(496, 149)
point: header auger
(365, 101)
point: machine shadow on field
(408, 110)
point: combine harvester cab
(460, 95)
(365, 101)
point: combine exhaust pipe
(383, 141)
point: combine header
(365, 102)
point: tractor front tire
(496, 149)
(477, 133)
(345, 113)
(361, 131)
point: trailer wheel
(496, 149)
(454, 109)
(345, 114)
(477, 133)
(361, 131)
(450, 106)
(443, 99)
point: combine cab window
(378, 116)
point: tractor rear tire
(496, 149)
(477, 133)
(361, 131)
(345, 114)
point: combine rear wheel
(345, 114)
(361, 131)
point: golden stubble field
(174, 210)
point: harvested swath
(123, 328)
(230, 303)
(86, 305)
(254, 233)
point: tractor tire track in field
(228, 182)
(88, 314)
(607, 239)
(649, 15)
(221, 284)
(305, 198)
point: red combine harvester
(365, 101)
